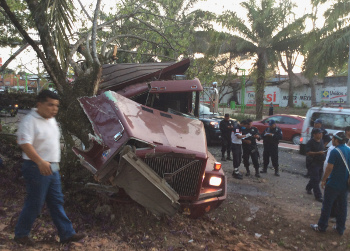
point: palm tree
(331, 44)
(261, 35)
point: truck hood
(114, 116)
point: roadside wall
(333, 90)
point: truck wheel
(296, 139)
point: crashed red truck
(148, 141)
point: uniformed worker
(325, 135)
(236, 146)
(315, 157)
(249, 147)
(271, 136)
(226, 126)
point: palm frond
(60, 20)
(338, 14)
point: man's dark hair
(347, 128)
(43, 95)
(243, 122)
(249, 120)
(340, 136)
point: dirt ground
(270, 213)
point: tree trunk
(313, 82)
(292, 80)
(260, 85)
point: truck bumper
(205, 203)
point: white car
(333, 119)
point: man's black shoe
(319, 199)
(247, 174)
(277, 174)
(228, 158)
(25, 241)
(264, 170)
(308, 191)
(237, 176)
(257, 175)
(74, 238)
(223, 159)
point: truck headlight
(214, 124)
(215, 181)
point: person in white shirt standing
(236, 147)
(39, 138)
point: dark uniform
(250, 149)
(325, 135)
(226, 127)
(326, 139)
(271, 147)
(271, 110)
(315, 164)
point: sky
(30, 62)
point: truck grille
(185, 183)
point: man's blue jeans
(330, 195)
(41, 189)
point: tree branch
(155, 30)
(94, 32)
(12, 57)
(84, 10)
(25, 35)
(146, 54)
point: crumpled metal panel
(106, 124)
(144, 186)
(116, 76)
(175, 86)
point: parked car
(211, 123)
(291, 126)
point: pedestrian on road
(271, 109)
(249, 147)
(39, 138)
(271, 136)
(226, 127)
(335, 183)
(236, 146)
(315, 156)
(325, 137)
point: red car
(291, 126)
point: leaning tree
(73, 41)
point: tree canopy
(262, 35)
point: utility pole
(242, 89)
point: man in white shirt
(236, 146)
(39, 137)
